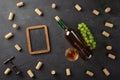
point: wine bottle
(75, 40)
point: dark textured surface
(38, 39)
(26, 16)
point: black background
(26, 16)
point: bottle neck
(62, 25)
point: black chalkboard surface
(38, 37)
(25, 16)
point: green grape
(86, 28)
(79, 26)
(89, 45)
(84, 35)
(93, 46)
(82, 24)
(81, 32)
(91, 41)
(85, 38)
(87, 41)
(88, 32)
(94, 43)
(91, 37)
(82, 29)
(85, 31)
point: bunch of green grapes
(87, 35)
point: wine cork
(15, 26)
(68, 72)
(7, 71)
(111, 56)
(9, 35)
(107, 10)
(54, 5)
(78, 7)
(96, 12)
(30, 73)
(38, 11)
(108, 47)
(53, 72)
(89, 73)
(20, 4)
(109, 25)
(106, 72)
(17, 47)
(11, 16)
(106, 34)
(39, 65)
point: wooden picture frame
(29, 39)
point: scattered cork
(68, 72)
(11, 16)
(111, 56)
(109, 25)
(53, 72)
(17, 47)
(106, 34)
(107, 10)
(30, 73)
(106, 72)
(96, 12)
(39, 12)
(108, 47)
(54, 5)
(89, 73)
(9, 35)
(39, 65)
(20, 4)
(78, 7)
(7, 71)
(15, 26)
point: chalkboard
(38, 40)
